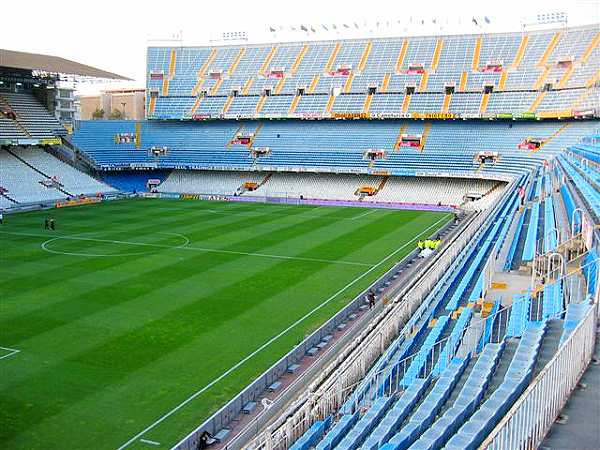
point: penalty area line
(12, 352)
(273, 339)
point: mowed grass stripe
(173, 344)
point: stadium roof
(52, 64)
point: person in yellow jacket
(420, 245)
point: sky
(113, 35)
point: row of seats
(511, 62)
(449, 147)
(32, 119)
(29, 175)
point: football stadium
(366, 243)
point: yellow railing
(502, 82)
(247, 85)
(330, 103)
(261, 103)
(227, 104)
(590, 48)
(313, 84)
(405, 103)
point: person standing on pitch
(46, 224)
(52, 224)
(1, 217)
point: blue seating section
(424, 354)
(324, 145)
(320, 67)
(589, 192)
(337, 433)
(397, 414)
(590, 271)
(365, 425)
(552, 305)
(425, 414)
(518, 376)
(490, 321)
(550, 230)
(519, 315)
(532, 234)
(575, 312)
(453, 341)
(510, 258)
(466, 403)
(312, 435)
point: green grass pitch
(130, 307)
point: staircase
(521, 51)
(399, 138)
(330, 103)
(424, 136)
(258, 128)
(476, 54)
(247, 85)
(279, 86)
(555, 134)
(332, 57)
(38, 171)
(502, 82)
(299, 58)
(198, 87)
(265, 179)
(446, 105)
(437, 53)
(260, 105)
(566, 76)
(367, 104)
(207, 63)
(405, 103)
(195, 106)
(424, 80)
(590, 48)
(313, 84)
(537, 101)
(462, 87)
(267, 62)
(151, 106)
(294, 104)
(401, 56)
(227, 104)
(541, 79)
(348, 84)
(365, 57)
(382, 184)
(17, 122)
(551, 46)
(485, 98)
(386, 82)
(10, 199)
(216, 87)
(236, 62)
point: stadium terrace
(374, 244)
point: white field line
(11, 350)
(147, 441)
(273, 339)
(179, 247)
(364, 214)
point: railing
(530, 418)
(407, 307)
